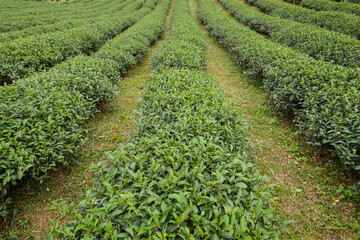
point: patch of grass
(307, 180)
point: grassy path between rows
(307, 189)
(114, 125)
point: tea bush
(186, 174)
(334, 21)
(90, 16)
(323, 97)
(181, 37)
(40, 129)
(324, 5)
(21, 17)
(319, 43)
(25, 56)
(41, 116)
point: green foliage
(185, 47)
(19, 16)
(319, 43)
(40, 129)
(25, 56)
(349, 193)
(132, 45)
(323, 97)
(41, 116)
(186, 174)
(89, 16)
(326, 5)
(334, 21)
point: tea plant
(90, 16)
(19, 16)
(186, 174)
(324, 5)
(181, 37)
(41, 116)
(24, 56)
(334, 21)
(319, 43)
(323, 97)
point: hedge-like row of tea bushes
(325, 98)
(326, 5)
(66, 24)
(38, 7)
(9, 5)
(186, 174)
(349, 1)
(319, 43)
(181, 37)
(335, 21)
(185, 46)
(25, 56)
(20, 19)
(47, 9)
(41, 116)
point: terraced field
(179, 119)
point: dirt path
(306, 188)
(109, 128)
